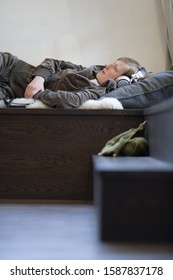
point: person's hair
(134, 65)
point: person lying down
(62, 84)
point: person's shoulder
(7, 55)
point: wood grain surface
(47, 153)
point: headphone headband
(139, 74)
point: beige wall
(85, 32)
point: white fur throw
(105, 103)
(28, 102)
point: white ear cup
(123, 81)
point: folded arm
(66, 99)
(45, 71)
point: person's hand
(35, 86)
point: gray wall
(84, 32)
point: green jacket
(67, 85)
(15, 75)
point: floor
(38, 230)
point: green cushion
(135, 147)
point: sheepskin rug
(105, 103)
(28, 102)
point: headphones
(125, 80)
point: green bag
(125, 144)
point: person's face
(112, 71)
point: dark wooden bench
(47, 153)
(134, 195)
